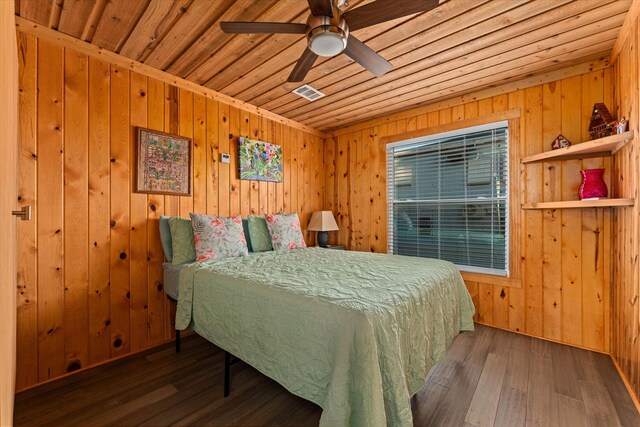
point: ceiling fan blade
(385, 10)
(320, 7)
(263, 27)
(365, 56)
(303, 66)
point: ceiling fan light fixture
(327, 31)
(324, 42)
(327, 36)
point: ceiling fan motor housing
(327, 36)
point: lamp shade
(322, 221)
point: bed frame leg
(227, 372)
(177, 341)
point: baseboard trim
(626, 383)
(168, 341)
(543, 338)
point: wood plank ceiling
(460, 47)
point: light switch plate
(225, 158)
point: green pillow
(165, 237)
(245, 228)
(260, 237)
(184, 248)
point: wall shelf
(602, 203)
(597, 148)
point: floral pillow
(217, 237)
(285, 231)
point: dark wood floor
(490, 377)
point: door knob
(24, 213)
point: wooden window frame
(516, 186)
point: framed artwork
(163, 163)
(259, 161)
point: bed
(356, 333)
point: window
(448, 198)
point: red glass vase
(592, 185)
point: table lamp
(322, 222)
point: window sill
(489, 279)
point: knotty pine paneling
(50, 177)
(626, 241)
(471, 47)
(90, 263)
(564, 292)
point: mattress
(354, 332)
(171, 278)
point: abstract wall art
(259, 161)
(163, 163)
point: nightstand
(338, 247)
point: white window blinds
(448, 198)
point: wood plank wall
(8, 194)
(564, 293)
(90, 274)
(626, 243)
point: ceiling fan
(327, 30)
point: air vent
(309, 93)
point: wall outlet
(225, 158)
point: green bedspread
(354, 332)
